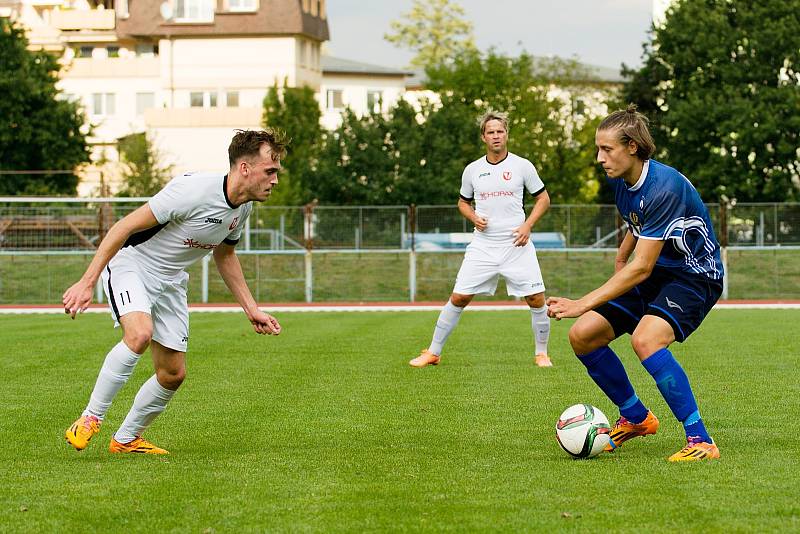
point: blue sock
(674, 386)
(607, 371)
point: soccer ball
(582, 431)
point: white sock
(117, 368)
(540, 323)
(446, 323)
(150, 401)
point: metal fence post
(204, 280)
(723, 234)
(412, 254)
(309, 242)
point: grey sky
(600, 32)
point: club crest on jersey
(234, 223)
(506, 175)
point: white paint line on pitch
(375, 308)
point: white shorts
(131, 288)
(483, 265)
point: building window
(103, 103)
(301, 53)
(113, 51)
(194, 10)
(374, 101)
(146, 50)
(145, 101)
(242, 5)
(203, 99)
(232, 99)
(85, 51)
(334, 99)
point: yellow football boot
(696, 450)
(543, 360)
(82, 430)
(139, 446)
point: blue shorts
(683, 301)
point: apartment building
(189, 72)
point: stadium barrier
(379, 253)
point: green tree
(540, 129)
(296, 111)
(721, 83)
(39, 130)
(435, 30)
(143, 173)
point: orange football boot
(139, 445)
(624, 430)
(82, 430)
(425, 357)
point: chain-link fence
(379, 253)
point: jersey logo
(481, 175)
(234, 223)
(673, 304)
(213, 220)
(634, 218)
(506, 175)
(191, 243)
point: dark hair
(632, 126)
(247, 144)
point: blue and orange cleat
(81, 431)
(624, 430)
(425, 357)
(139, 446)
(696, 449)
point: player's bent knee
(460, 300)
(584, 337)
(171, 378)
(138, 340)
(535, 301)
(644, 345)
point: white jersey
(497, 189)
(194, 216)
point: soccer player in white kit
(501, 244)
(142, 261)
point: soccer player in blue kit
(660, 296)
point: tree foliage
(38, 130)
(417, 156)
(721, 82)
(296, 111)
(435, 30)
(143, 172)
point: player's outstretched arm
(78, 297)
(635, 272)
(231, 271)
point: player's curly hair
(632, 126)
(247, 143)
(492, 115)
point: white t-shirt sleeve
(467, 190)
(174, 202)
(533, 183)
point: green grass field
(326, 429)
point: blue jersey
(664, 205)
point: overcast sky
(600, 32)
